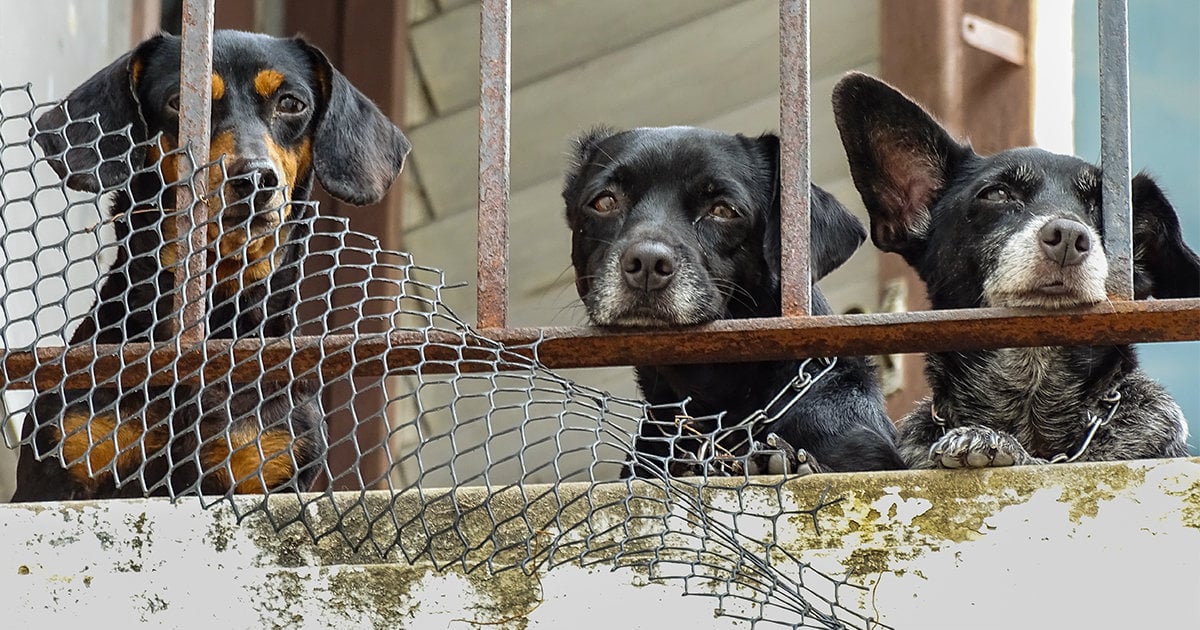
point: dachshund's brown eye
(605, 203)
(996, 193)
(289, 104)
(722, 210)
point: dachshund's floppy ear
(900, 159)
(1163, 265)
(91, 137)
(834, 233)
(357, 151)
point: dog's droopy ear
(583, 149)
(834, 233)
(1163, 265)
(900, 158)
(90, 137)
(357, 151)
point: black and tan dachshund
(1021, 228)
(680, 226)
(281, 115)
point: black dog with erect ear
(678, 226)
(1021, 228)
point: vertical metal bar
(1114, 146)
(195, 110)
(494, 95)
(794, 176)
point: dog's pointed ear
(91, 137)
(357, 151)
(834, 233)
(1163, 265)
(900, 159)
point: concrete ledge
(1067, 546)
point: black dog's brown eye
(289, 104)
(996, 193)
(722, 210)
(605, 203)
(173, 104)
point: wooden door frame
(976, 95)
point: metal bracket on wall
(993, 38)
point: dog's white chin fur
(681, 305)
(1025, 277)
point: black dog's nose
(1064, 241)
(648, 265)
(250, 177)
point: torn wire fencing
(125, 405)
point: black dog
(680, 226)
(280, 114)
(1021, 228)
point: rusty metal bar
(1116, 323)
(1114, 146)
(195, 111)
(794, 173)
(494, 121)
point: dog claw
(976, 447)
(775, 456)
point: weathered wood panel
(547, 36)
(686, 75)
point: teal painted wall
(1164, 70)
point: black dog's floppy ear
(357, 151)
(84, 136)
(583, 151)
(834, 233)
(900, 158)
(583, 148)
(1163, 265)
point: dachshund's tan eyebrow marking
(218, 87)
(267, 81)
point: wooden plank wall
(579, 63)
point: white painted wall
(1104, 546)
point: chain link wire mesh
(136, 406)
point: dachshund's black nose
(648, 265)
(1064, 241)
(249, 177)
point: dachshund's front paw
(977, 447)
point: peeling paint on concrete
(1081, 545)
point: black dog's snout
(648, 265)
(1065, 241)
(252, 176)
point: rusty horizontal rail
(569, 347)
